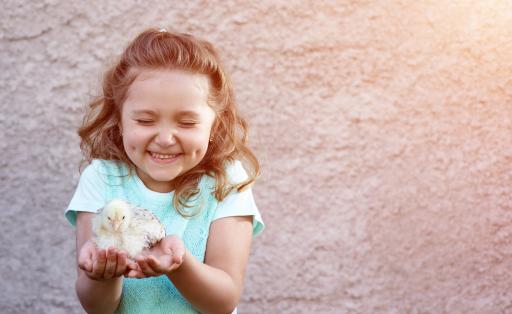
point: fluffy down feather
(126, 227)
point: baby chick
(126, 227)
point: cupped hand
(103, 264)
(161, 259)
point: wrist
(102, 281)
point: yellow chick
(126, 227)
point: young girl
(165, 135)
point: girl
(165, 135)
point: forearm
(99, 296)
(208, 289)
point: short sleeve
(240, 203)
(89, 194)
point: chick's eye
(109, 218)
(123, 217)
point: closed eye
(188, 124)
(144, 122)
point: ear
(213, 130)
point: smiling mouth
(163, 156)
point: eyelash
(144, 122)
(186, 124)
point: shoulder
(239, 203)
(102, 174)
(95, 184)
(92, 173)
(105, 171)
(109, 167)
(235, 172)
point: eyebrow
(184, 113)
(188, 113)
(137, 112)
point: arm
(216, 285)
(99, 283)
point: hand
(161, 259)
(100, 264)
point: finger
(85, 259)
(122, 263)
(135, 271)
(98, 267)
(174, 265)
(110, 266)
(90, 273)
(135, 274)
(132, 269)
(127, 272)
(92, 276)
(92, 252)
(132, 265)
(178, 253)
(85, 266)
(146, 269)
(155, 264)
(176, 249)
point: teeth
(162, 156)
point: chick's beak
(115, 224)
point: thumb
(85, 264)
(177, 254)
(85, 258)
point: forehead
(174, 77)
(168, 86)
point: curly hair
(156, 49)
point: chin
(164, 176)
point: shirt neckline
(150, 193)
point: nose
(166, 137)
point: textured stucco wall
(383, 127)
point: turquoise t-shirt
(103, 181)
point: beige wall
(383, 128)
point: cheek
(134, 140)
(196, 142)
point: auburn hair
(100, 132)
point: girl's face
(166, 123)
